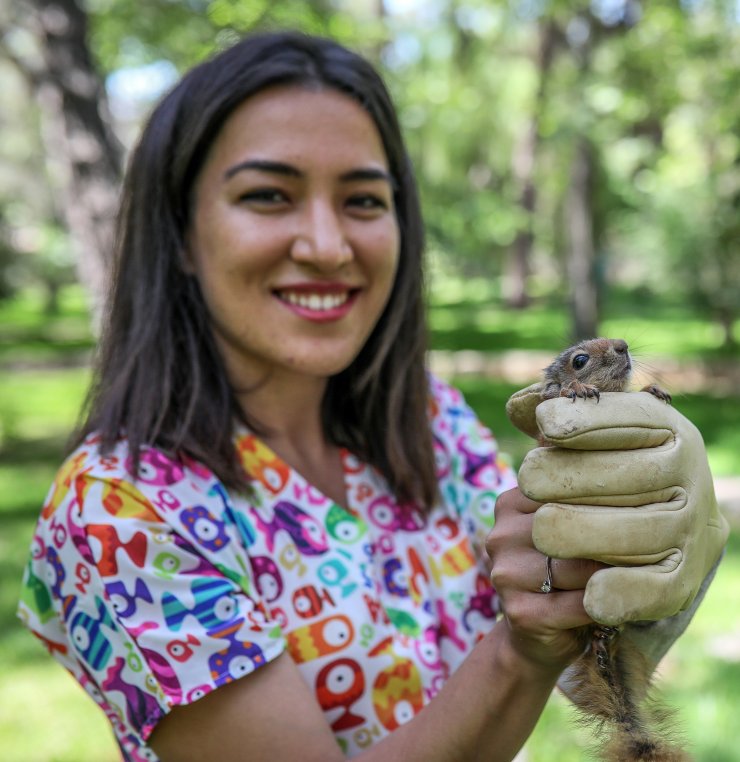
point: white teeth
(315, 302)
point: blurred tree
(83, 152)
(559, 146)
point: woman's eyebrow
(288, 170)
(263, 165)
(368, 173)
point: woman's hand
(628, 484)
(544, 628)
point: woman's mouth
(316, 304)
(314, 301)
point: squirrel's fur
(609, 684)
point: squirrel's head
(604, 363)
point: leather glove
(627, 483)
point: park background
(579, 167)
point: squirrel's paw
(577, 389)
(657, 392)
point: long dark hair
(159, 376)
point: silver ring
(546, 586)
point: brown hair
(159, 377)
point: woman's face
(294, 238)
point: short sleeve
(143, 588)
(472, 472)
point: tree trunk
(581, 250)
(524, 160)
(85, 157)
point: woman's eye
(264, 196)
(367, 202)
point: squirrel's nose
(620, 346)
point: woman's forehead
(300, 126)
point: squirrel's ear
(521, 408)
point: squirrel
(610, 682)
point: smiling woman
(294, 243)
(269, 540)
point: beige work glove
(627, 483)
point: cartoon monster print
(236, 517)
(141, 707)
(182, 650)
(320, 638)
(403, 621)
(87, 635)
(394, 577)
(164, 673)
(482, 604)
(62, 486)
(419, 577)
(198, 692)
(442, 458)
(110, 543)
(267, 577)
(238, 658)
(428, 653)
(214, 606)
(124, 602)
(306, 532)
(454, 562)
(166, 565)
(340, 684)
(335, 573)
(35, 594)
(344, 526)
(55, 572)
(123, 500)
(482, 507)
(386, 514)
(262, 464)
(156, 468)
(478, 469)
(447, 627)
(397, 693)
(78, 533)
(205, 528)
(308, 601)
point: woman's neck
(287, 412)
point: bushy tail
(610, 690)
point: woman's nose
(321, 239)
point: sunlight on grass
(45, 715)
(39, 404)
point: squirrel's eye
(579, 361)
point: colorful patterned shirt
(154, 590)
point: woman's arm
(486, 710)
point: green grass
(468, 315)
(45, 716)
(29, 336)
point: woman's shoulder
(93, 474)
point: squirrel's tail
(629, 748)
(610, 688)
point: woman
(268, 541)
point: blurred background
(579, 165)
